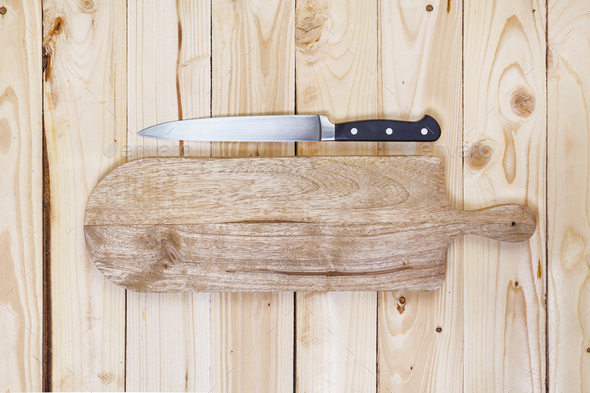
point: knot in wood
(480, 155)
(401, 304)
(309, 31)
(522, 103)
(87, 5)
(48, 48)
(3, 10)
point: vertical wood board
(420, 334)
(504, 284)
(337, 74)
(168, 335)
(84, 117)
(21, 188)
(253, 73)
(568, 197)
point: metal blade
(291, 128)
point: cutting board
(283, 224)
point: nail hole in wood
(429, 8)
(3, 10)
(438, 329)
(513, 224)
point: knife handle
(425, 130)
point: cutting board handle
(509, 223)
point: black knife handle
(425, 130)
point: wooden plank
(85, 111)
(194, 68)
(337, 74)
(253, 68)
(21, 188)
(267, 223)
(421, 333)
(168, 335)
(568, 176)
(168, 342)
(253, 73)
(505, 77)
(322, 190)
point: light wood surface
(326, 190)
(421, 70)
(84, 116)
(168, 335)
(568, 199)
(350, 60)
(504, 98)
(336, 47)
(21, 188)
(178, 224)
(253, 73)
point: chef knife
(294, 128)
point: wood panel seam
(47, 327)
(127, 142)
(294, 342)
(463, 140)
(547, 289)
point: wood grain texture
(421, 333)
(304, 189)
(84, 109)
(253, 73)
(256, 232)
(416, 71)
(323, 190)
(168, 335)
(168, 342)
(252, 341)
(21, 187)
(504, 53)
(568, 200)
(336, 47)
(193, 80)
(253, 68)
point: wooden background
(79, 78)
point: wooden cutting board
(278, 224)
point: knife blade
(294, 128)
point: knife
(294, 128)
